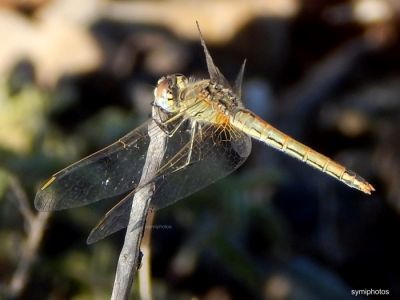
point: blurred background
(77, 75)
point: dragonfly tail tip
(368, 189)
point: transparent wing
(109, 172)
(239, 81)
(215, 74)
(215, 153)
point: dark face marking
(168, 92)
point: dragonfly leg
(169, 133)
(189, 157)
(174, 117)
(192, 134)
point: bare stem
(130, 255)
(22, 201)
(34, 226)
(145, 289)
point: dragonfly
(208, 132)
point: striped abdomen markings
(257, 128)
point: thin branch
(145, 290)
(29, 253)
(130, 255)
(35, 227)
(22, 201)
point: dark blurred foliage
(326, 72)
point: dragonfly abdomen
(259, 129)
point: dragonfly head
(168, 91)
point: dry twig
(130, 256)
(35, 225)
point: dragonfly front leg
(163, 127)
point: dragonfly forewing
(110, 172)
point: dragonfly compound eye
(164, 94)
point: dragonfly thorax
(168, 91)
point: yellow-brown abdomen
(257, 128)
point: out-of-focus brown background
(77, 75)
